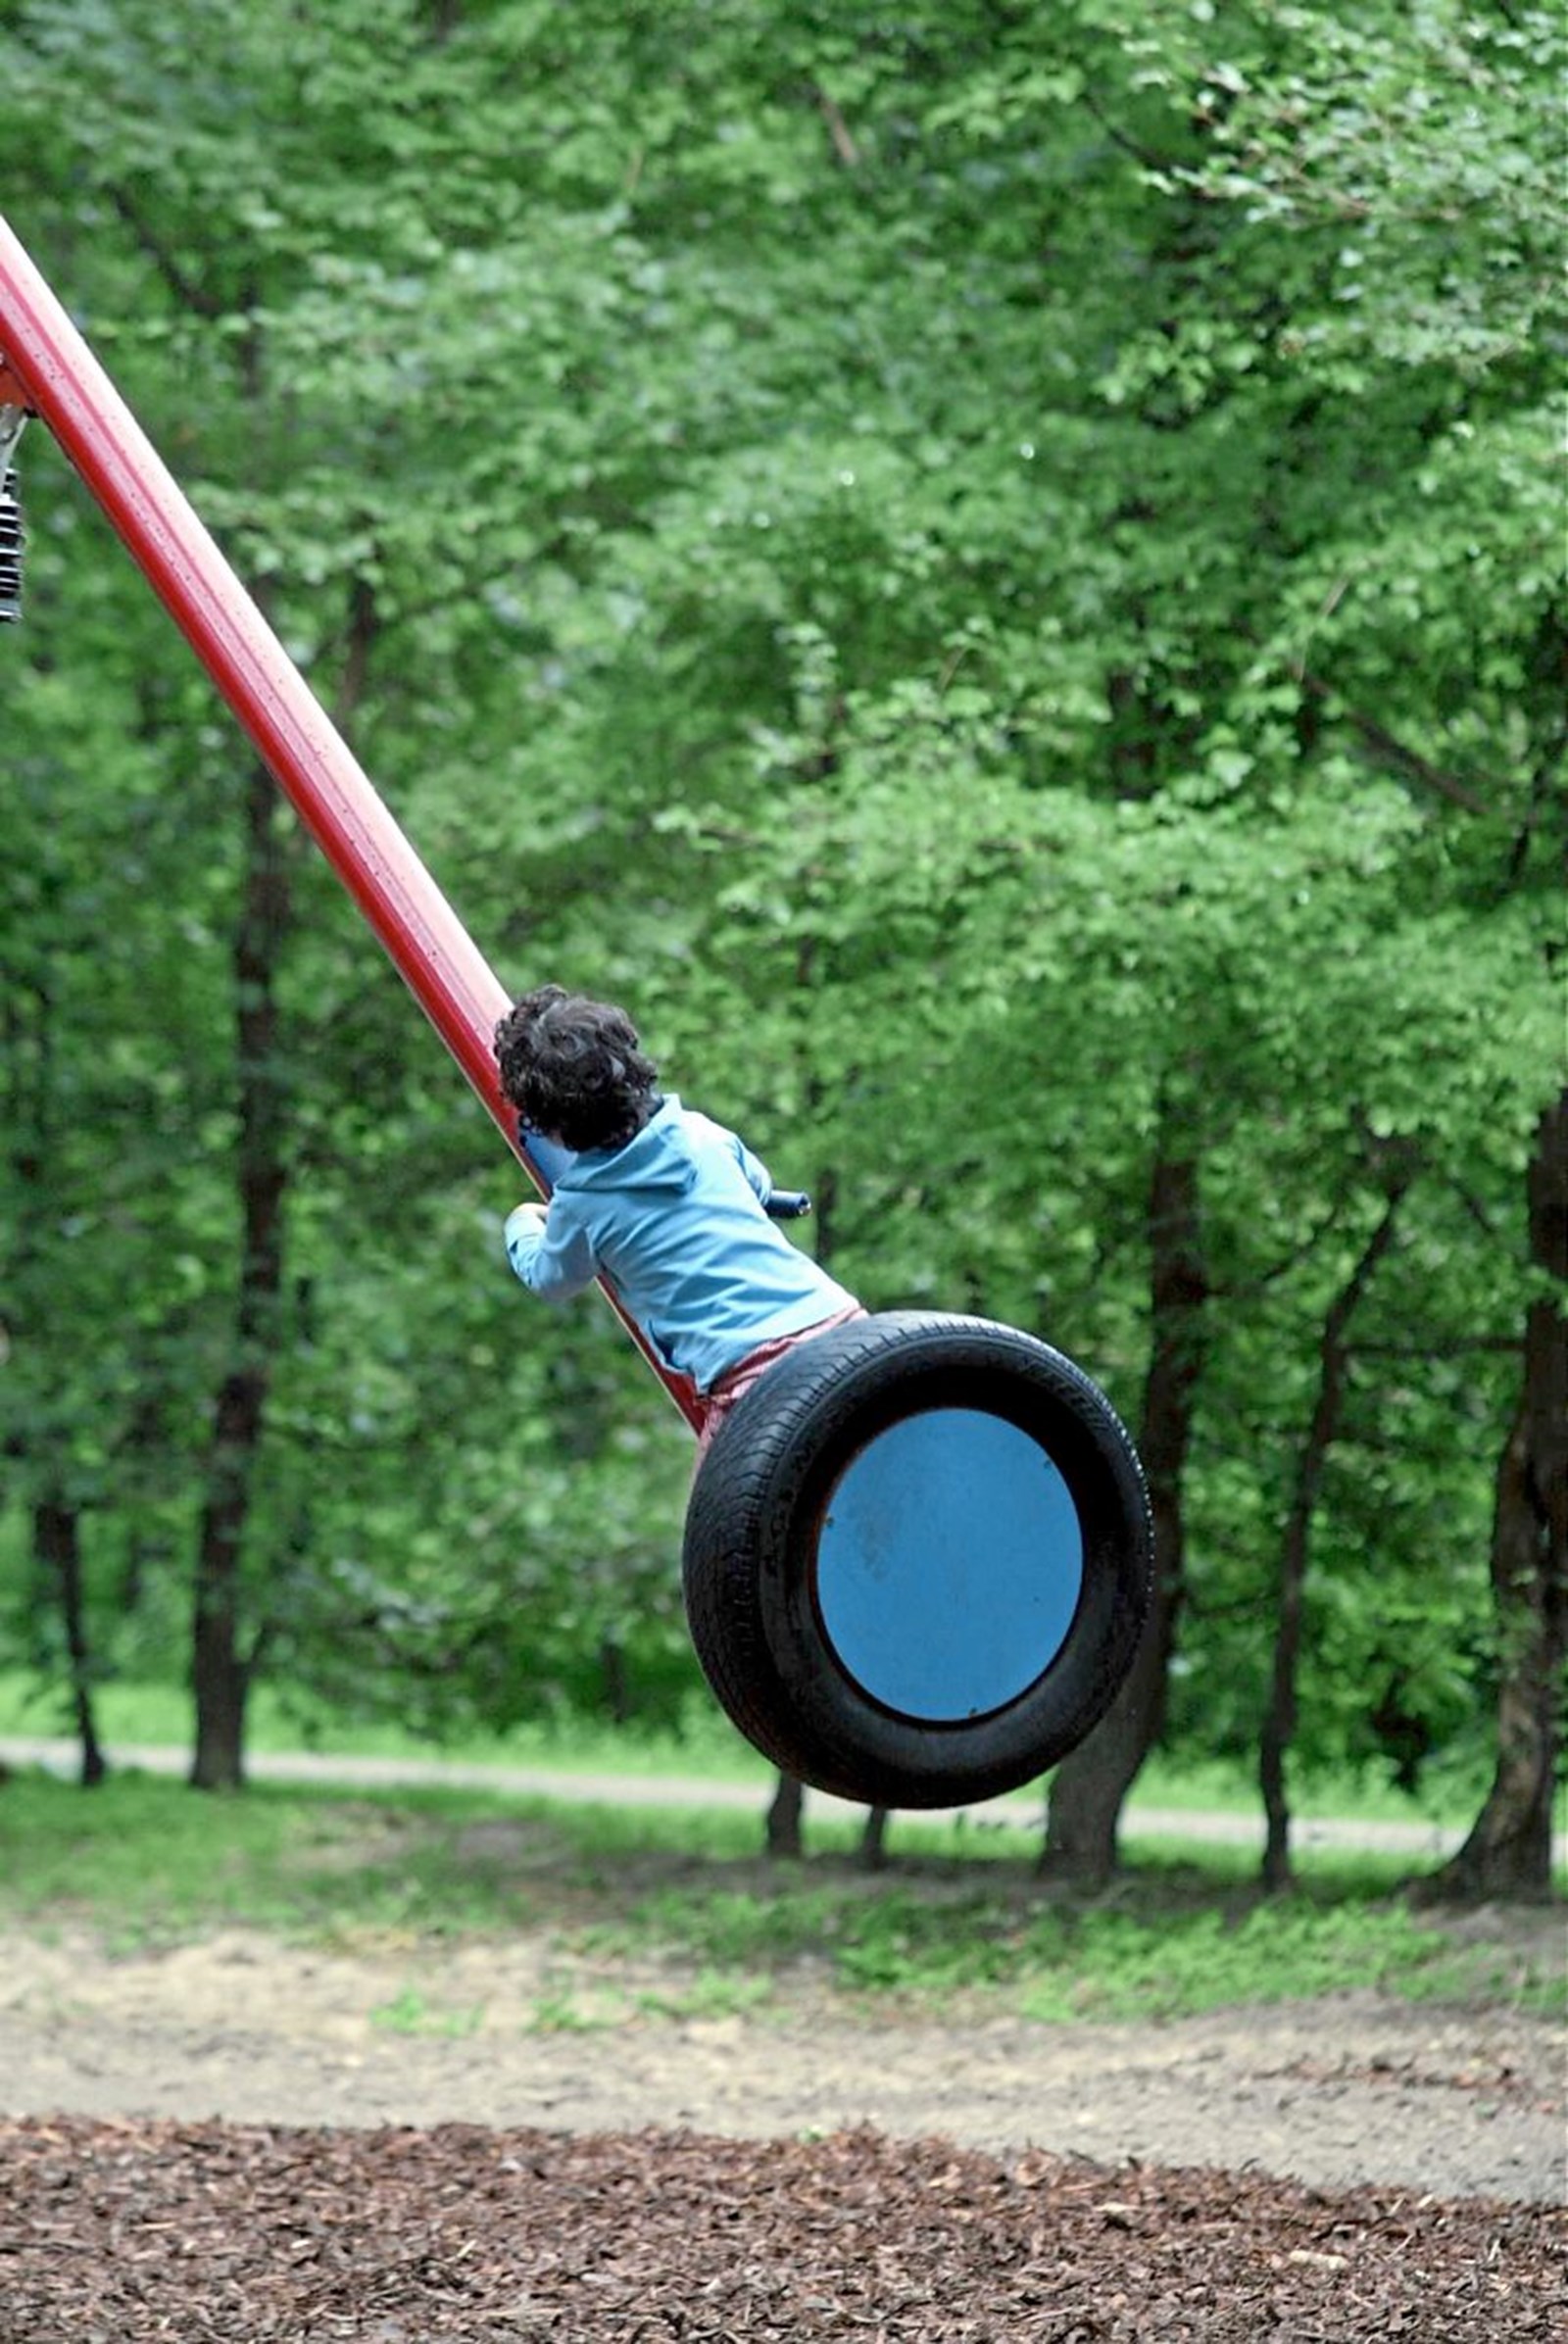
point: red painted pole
(44, 357)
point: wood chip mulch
(117, 2232)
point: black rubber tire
(755, 1518)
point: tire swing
(917, 1560)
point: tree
(1508, 1849)
(1280, 1716)
(1088, 1788)
(1005, 602)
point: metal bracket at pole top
(14, 392)
(14, 409)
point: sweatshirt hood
(657, 1157)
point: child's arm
(780, 1205)
(552, 1258)
(757, 1175)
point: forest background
(995, 572)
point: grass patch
(1166, 1942)
(669, 1913)
(413, 2013)
(150, 1862)
(1139, 1966)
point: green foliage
(1005, 595)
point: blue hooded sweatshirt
(675, 1218)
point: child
(669, 1204)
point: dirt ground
(251, 2030)
(252, 2141)
(244, 2139)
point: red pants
(717, 1403)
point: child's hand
(530, 1212)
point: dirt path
(1428, 1840)
(1350, 2090)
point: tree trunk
(1090, 1786)
(1278, 1720)
(784, 1842)
(616, 1680)
(1508, 1850)
(56, 1542)
(220, 1672)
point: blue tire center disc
(949, 1565)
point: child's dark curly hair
(572, 1068)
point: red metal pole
(42, 353)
